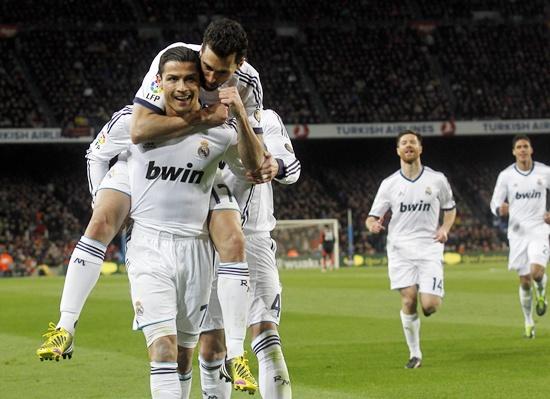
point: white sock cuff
(186, 376)
(268, 340)
(163, 367)
(408, 317)
(89, 250)
(210, 365)
(233, 270)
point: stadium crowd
(43, 210)
(418, 60)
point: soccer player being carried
(520, 194)
(415, 194)
(226, 74)
(170, 256)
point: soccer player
(222, 62)
(169, 256)
(415, 194)
(256, 204)
(520, 193)
(327, 248)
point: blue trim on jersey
(147, 104)
(251, 81)
(246, 208)
(258, 130)
(523, 173)
(448, 209)
(417, 177)
(284, 133)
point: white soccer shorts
(265, 286)
(117, 178)
(527, 251)
(427, 274)
(170, 278)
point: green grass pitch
(341, 335)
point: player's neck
(525, 165)
(170, 112)
(411, 170)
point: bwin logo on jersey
(533, 194)
(420, 206)
(172, 173)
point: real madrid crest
(204, 150)
(289, 148)
(428, 191)
(258, 115)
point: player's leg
(265, 313)
(518, 260)
(212, 350)
(154, 294)
(411, 324)
(195, 264)
(403, 276)
(211, 358)
(431, 285)
(112, 205)
(538, 253)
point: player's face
(216, 70)
(180, 82)
(522, 151)
(409, 148)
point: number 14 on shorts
(437, 284)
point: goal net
(300, 242)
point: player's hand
(214, 115)
(266, 173)
(230, 96)
(547, 217)
(441, 235)
(377, 226)
(503, 209)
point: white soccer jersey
(525, 192)
(256, 201)
(112, 140)
(181, 171)
(415, 206)
(246, 79)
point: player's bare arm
(374, 224)
(267, 172)
(250, 146)
(442, 234)
(147, 126)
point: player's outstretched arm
(147, 125)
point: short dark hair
(519, 137)
(225, 37)
(179, 54)
(408, 131)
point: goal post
(299, 242)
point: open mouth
(184, 98)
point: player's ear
(241, 62)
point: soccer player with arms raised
(520, 193)
(415, 194)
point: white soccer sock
(82, 275)
(526, 300)
(273, 375)
(411, 328)
(541, 285)
(212, 385)
(185, 384)
(233, 287)
(164, 381)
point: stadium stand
(72, 65)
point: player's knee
(212, 346)
(409, 304)
(538, 274)
(163, 349)
(429, 310)
(185, 359)
(100, 228)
